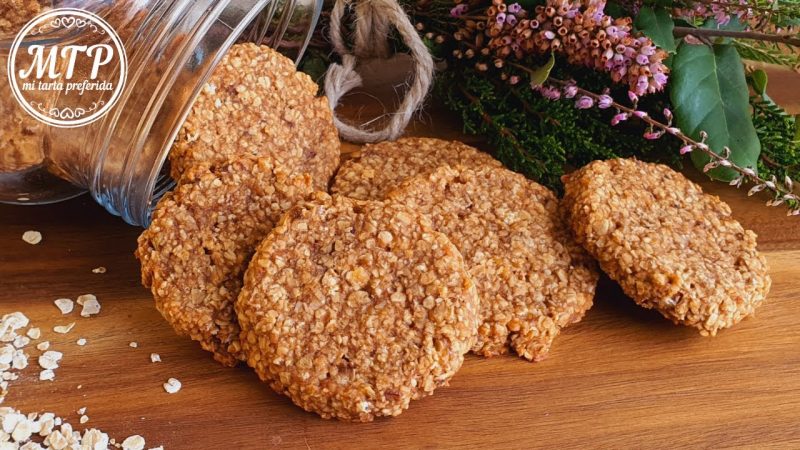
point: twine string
(373, 22)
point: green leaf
(540, 75)
(657, 25)
(709, 93)
(759, 81)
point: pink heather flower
(633, 97)
(584, 102)
(459, 10)
(500, 18)
(570, 91)
(513, 80)
(548, 34)
(605, 101)
(514, 8)
(641, 84)
(653, 135)
(621, 117)
(550, 93)
(686, 149)
(511, 20)
(674, 131)
(640, 114)
(667, 113)
(643, 60)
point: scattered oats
(94, 439)
(47, 375)
(13, 322)
(155, 357)
(172, 386)
(81, 411)
(64, 304)
(80, 386)
(50, 359)
(84, 418)
(20, 360)
(32, 237)
(63, 329)
(21, 341)
(42, 346)
(134, 442)
(100, 269)
(90, 305)
(81, 342)
(23, 430)
(133, 344)
(6, 354)
(34, 333)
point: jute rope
(373, 22)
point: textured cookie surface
(532, 278)
(14, 14)
(670, 246)
(256, 102)
(354, 308)
(381, 167)
(197, 247)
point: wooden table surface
(623, 377)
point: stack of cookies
(356, 302)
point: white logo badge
(70, 80)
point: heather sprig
(580, 31)
(782, 190)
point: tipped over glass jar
(129, 71)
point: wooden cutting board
(624, 377)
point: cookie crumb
(47, 375)
(100, 269)
(81, 342)
(32, 237)
(133, 344)
(65, 305)
(84, 418)
(42, 346)
(34, 333)
(155, 357)
(172, 386)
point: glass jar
(172, 48)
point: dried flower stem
(783, 191)
(710, 32)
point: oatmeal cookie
(670, 246)
(379, 168)
(354, 308)
(202, 236)
(532, 278)
(256, 102)
(14, 14)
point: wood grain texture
(624, 377)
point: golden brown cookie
(256, 102)
(532, 278)
(14, 14)
(670, 246)
(379, 168)
(201, 239)
(353, 309)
